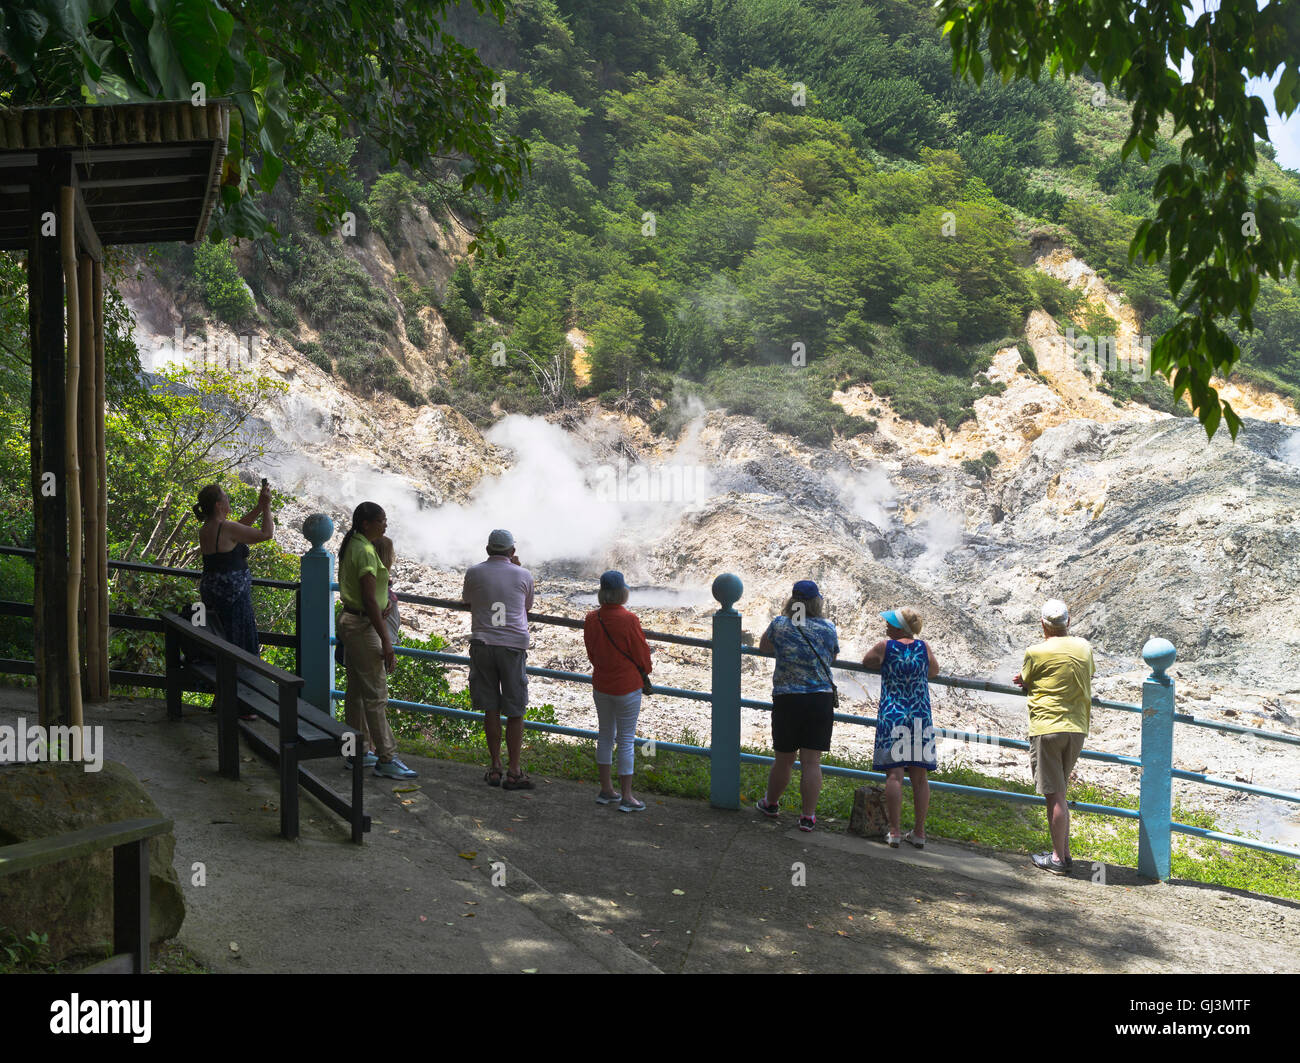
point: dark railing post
(131, 903)
(227, 705)
(173, 644)
(724, 757)
(358, 792)
(288, 762)
(316, 615)
(1155, 801)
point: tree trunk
(162, 512)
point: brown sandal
(492, 777)
(517, 782)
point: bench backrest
(219, 647)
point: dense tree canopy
(292, 67)
(1222, 235)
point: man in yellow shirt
(1057, 676)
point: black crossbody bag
(646, 688)
(835, 691)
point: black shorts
(802, 721)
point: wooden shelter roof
(146, 172)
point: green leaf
(1286, 96)
(1210, 415)
(1234, 422)
(1178, 274)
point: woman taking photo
(904, 731)
(620, 663)
(367, 646)
(226, 588)
(803, 698)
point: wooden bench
(199, 660)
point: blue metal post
(724, 765)
(316, 613)
(1155, 803)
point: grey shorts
(1052, 758)
(497, 680)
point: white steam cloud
(868, 495)
(1291, 450)
(544, 499)
(556, 498)
(942, 533)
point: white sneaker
(913, 840)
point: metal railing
(1154, 813)
(315, 640)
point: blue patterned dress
(227, 590)
(905, 733)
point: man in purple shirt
(500, 593)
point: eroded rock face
(72, 901)
(1150, 529)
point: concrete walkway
(458, 876)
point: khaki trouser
(366, 703)
(1052, 758)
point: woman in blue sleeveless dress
(905, 733)
(227, 585)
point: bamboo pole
(101, 456)
(89, 488)
(71, 472)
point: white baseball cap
(1056, 613)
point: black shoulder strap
(799, 628)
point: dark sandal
(517, 782)
(492, 778)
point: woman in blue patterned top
(805, 644)
(905, 732)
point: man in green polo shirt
(1057, 676)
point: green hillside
(755, 201)
(749, 201)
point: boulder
(868, 817)
(72, 901)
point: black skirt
(802, 721)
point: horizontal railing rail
(972, 683)
(975, 737)
(136, 622)
(129, 840)
(954, 681)
(140, 566)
